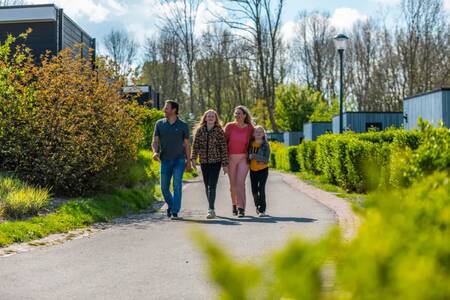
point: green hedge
(306, 157)
(286, 159)
(401, 251)
(363, 162)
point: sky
(98, 17)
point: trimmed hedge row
(364, 162)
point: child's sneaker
(211, 214)
(241, 213)
(261, 214)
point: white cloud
(447, 5)
(288, 31)
(343, 18)
(94, 10)
(208, 12)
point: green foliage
(286, 159)
(432, 154)
(363, 162)
(306, 157)
(410, 258)
(400, 252)
(18, 199)
(83, 212)
(146, 119)
(63, 125)
(323, 112)
(294, 105)
(274, 148)
(261, 114)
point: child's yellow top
(254, 165)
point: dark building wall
(359, 121)
(42, 38)
(53, 34)
(315, 129)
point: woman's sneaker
(235, 211)
(241, 213)
(211, 214)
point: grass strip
(79, 213)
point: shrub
(400, 252)
(306, 157)
(432, 155)
(64, 125)
(274, 148)
(286, 159)
(17, 199)
(146, 119)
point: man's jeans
(172, 168)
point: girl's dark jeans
(210, 177)
(259, 179)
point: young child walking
(259, 154)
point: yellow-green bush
(402, 251)
(286, 159)
(18, 199)
(274, 148)
(62, 124)
(306, 157)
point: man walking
(171, 137)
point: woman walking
(238, 134)
(210, 146)
(259, 154)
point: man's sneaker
(235, 211)
(211, 214)
(241, 213)
(175, 217)
(169, 213)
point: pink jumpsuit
(238, 140)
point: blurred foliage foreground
(402, 251)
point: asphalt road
(151, 257)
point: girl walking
(211, 147)
(259, 153)
(238, 134)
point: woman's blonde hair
(248, 116)
(202, 121)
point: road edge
(348, 221)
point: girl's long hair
(248, 116)
(252, 139)
(202, 121)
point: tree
(295, 105)
(180, 20)
(259, 21)
(122, 49)
(314, 51)
(162, 68)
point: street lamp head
(340, 42)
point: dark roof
(442, 89)
(28, 6)
(371, 112)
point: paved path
(150, 257)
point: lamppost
(340, 42)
